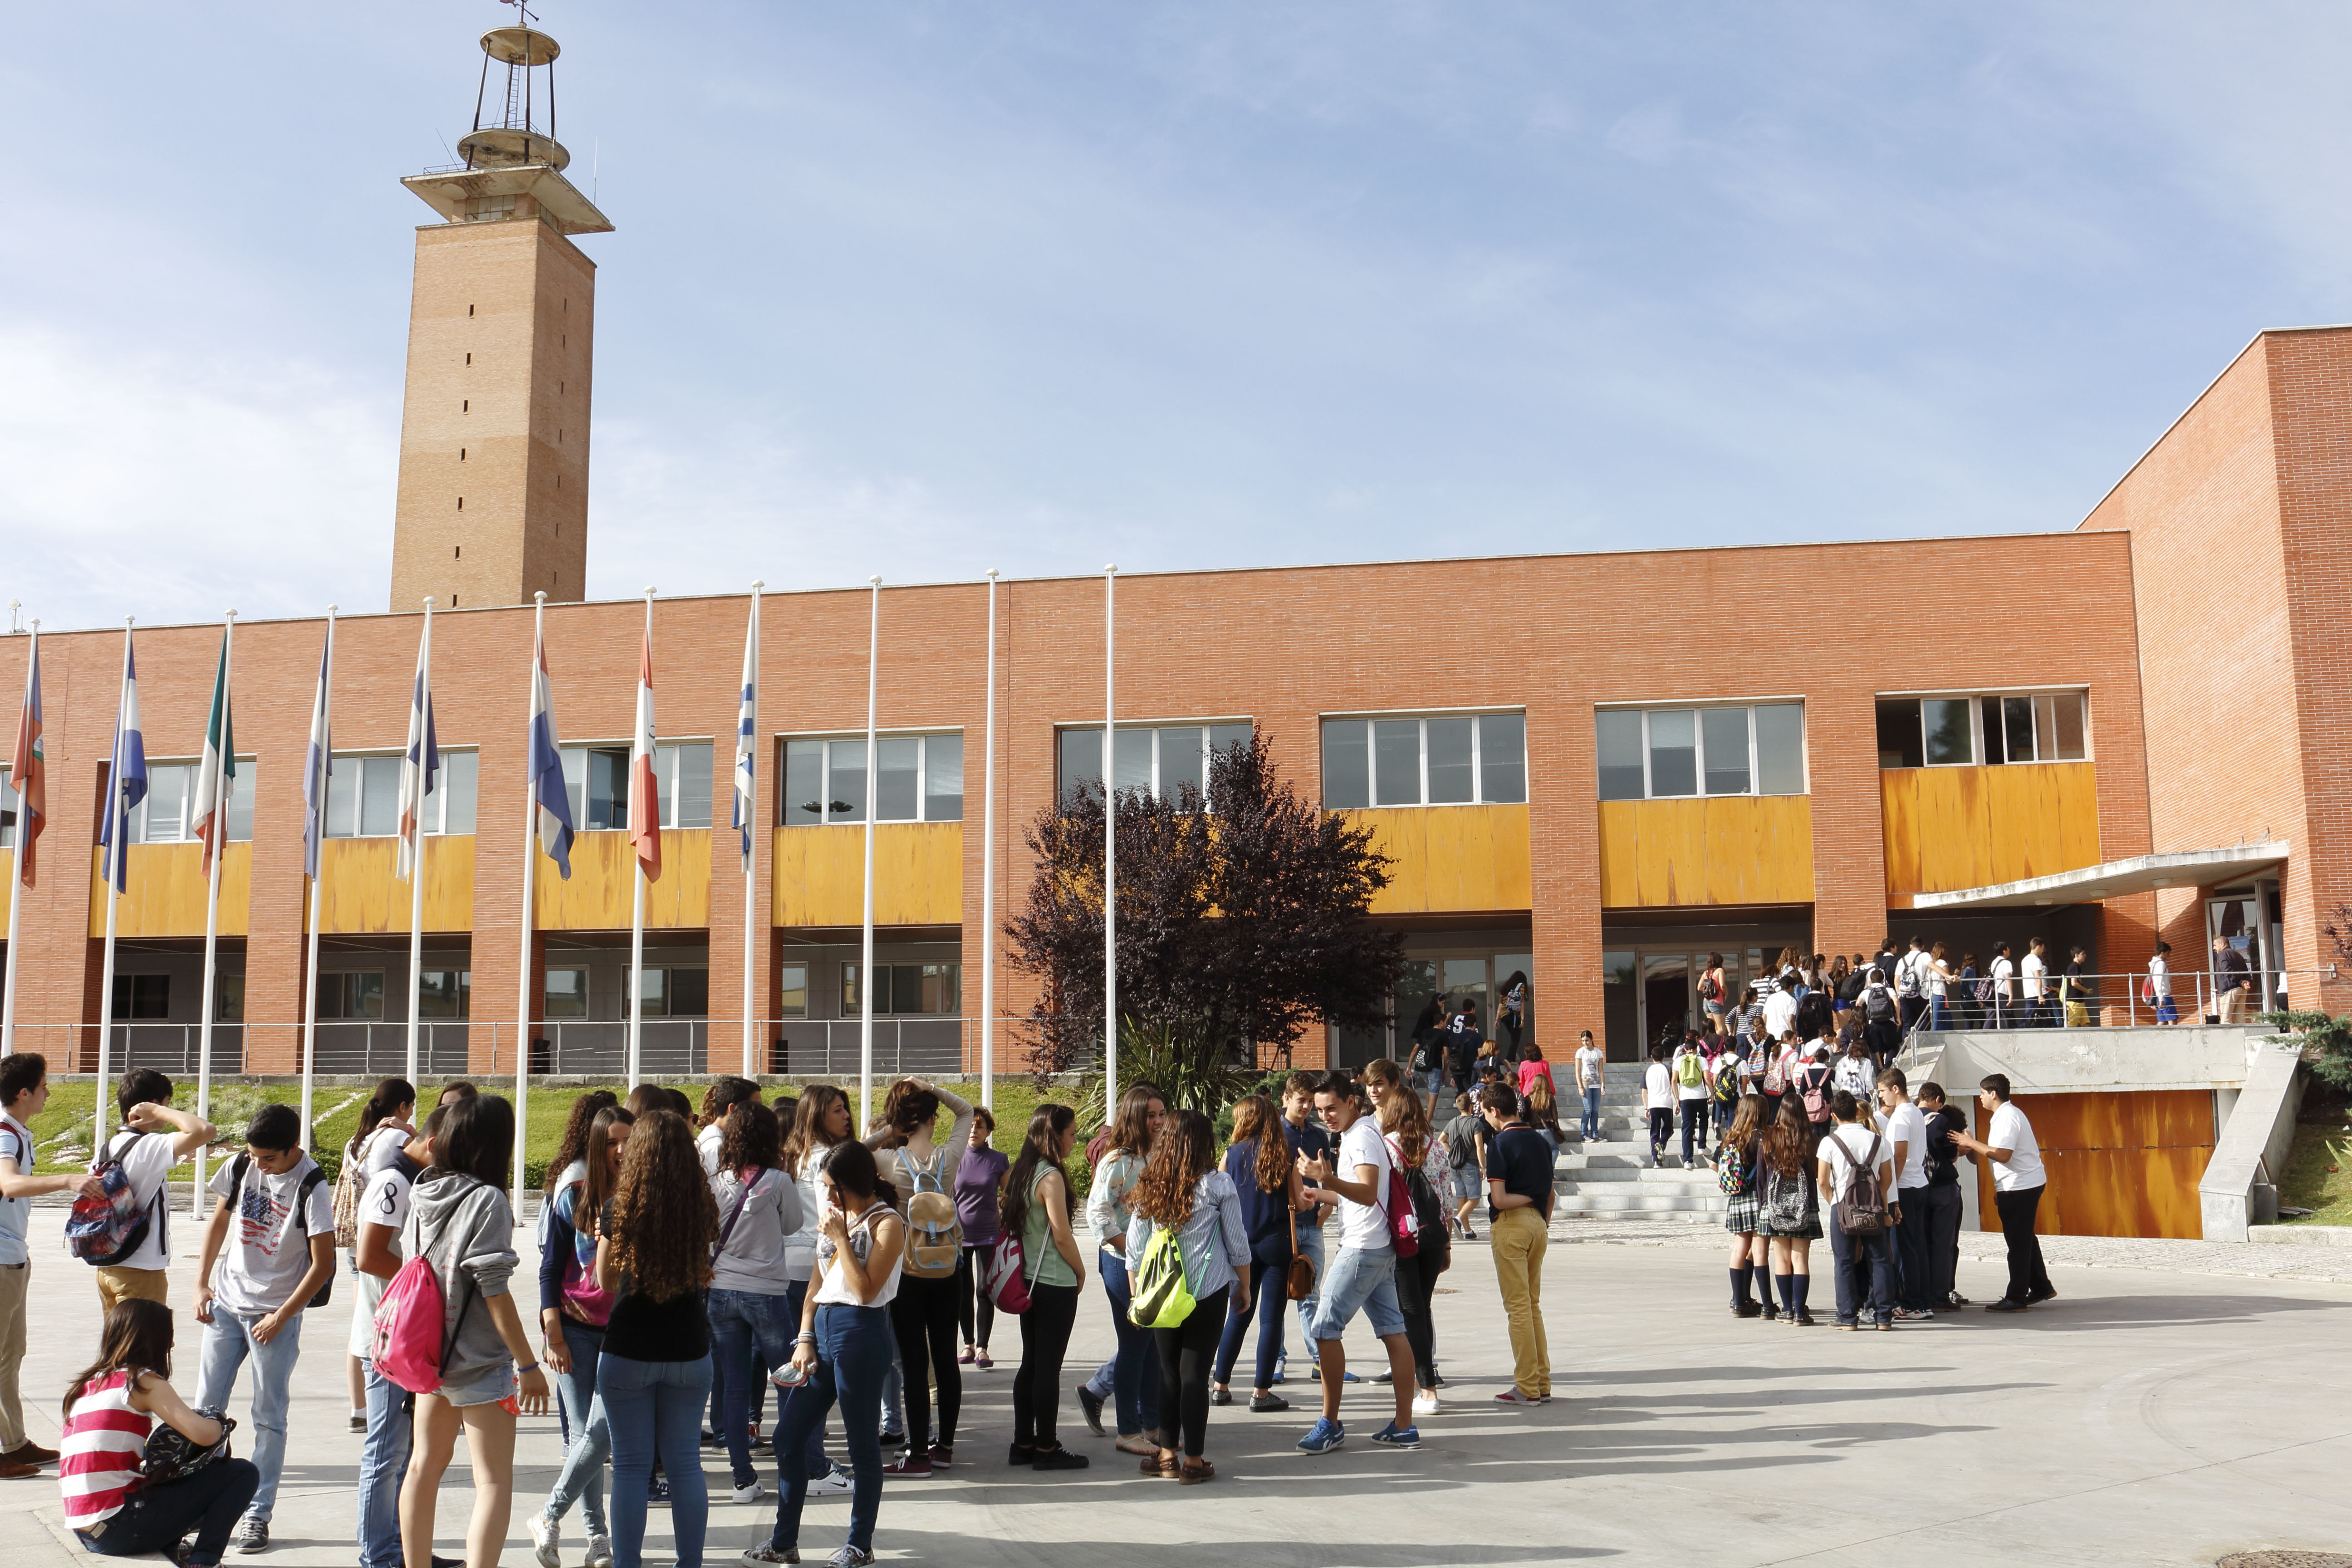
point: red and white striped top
(105, 1440)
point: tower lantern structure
(493, 503)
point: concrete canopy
(2141, 873)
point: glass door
(1668, 983)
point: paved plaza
(2159, 1413)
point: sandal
(1165, 1467)
(1195, 1472)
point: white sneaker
(751, 1493)
(545, 1533)
(600, 1552)
(1424, 1403)
(835, 1482)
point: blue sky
(924, 289)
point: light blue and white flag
(747, 717)
(126, 770)
(546, 763)
(320, 764)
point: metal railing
(2102, 1001)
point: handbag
(1299, 1280)
(171, 1455)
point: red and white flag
(28, 771)
(644, 796)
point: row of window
(1964, 732)
(917, 778)
(1161, 761)
(1660, 753)
(1454, 760)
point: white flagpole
(122, 826)
(865, 961)
(17, 888)
(529, 884)
(637, 911)
(751, 861)
(218, 829)
(1110, 851)
(417, 861)
(987, 869)
(311, 936)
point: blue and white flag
(318, 765)
(747, 718)
(126, 771)
(554, 809)
(420, 764)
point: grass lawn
(2319, 1174)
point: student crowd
(695, 1267)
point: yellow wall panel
(1727, 849)
(2121, 1163)
(603, 886)
(820, 874)
(1947, 828)
(165, 891)
(359, 895)
(1452, 858)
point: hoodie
(463, 1227)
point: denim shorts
(1359, 1280)
(488, 1388)
(1467, 1185)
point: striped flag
(127, 770)
(644, 798)
(746, 716)
(29, 770)
(217, 769)
(420, 765)
(318, 764)
(546, 765)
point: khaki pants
(1518, 1237)
(132, 1284)
(15, 1280)
(2232, 1005)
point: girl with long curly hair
(1130, 1379)
(653, 1254)
(1183, 1191)
(1037, 1208)
(1787, 1162)
(1264, 1175)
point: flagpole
(120, 824)
(16, 889)
(529, 887)
(311, 934)
(637, 908)
(1110, 850)
(865, 961)
(987, 869)
(752, 825)
(216, 851)
(416, 862)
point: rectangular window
(597, 779)
(791, 988)
(1668, 753)
(137, 996)
(920, 779)
(683, 992)
(363, 796)
(167, 814)
(351, 995)
(1465, 759)
(931, 989)
(228, 999)
(1163, 760)
(7, 811)
(1994, 728)
(566, 993)
(443, 993)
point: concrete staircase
(1611, 1178)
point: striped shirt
(104, 1442)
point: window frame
(1699, 710)
(436, 802)
(676, 745)
(1152, 727)
(241, 794)
(824, 742)
(1421, 716)
(1974, 701)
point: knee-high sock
(1803, 1285)
(1787, 1283)
(1740, 1279)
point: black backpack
(1462, 1142)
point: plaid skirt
(1740, 1217)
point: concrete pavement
(2146, 1417)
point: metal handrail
(2193, 996)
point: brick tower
(494, 430)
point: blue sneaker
(1395, 1436)
(1326, 1436)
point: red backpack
(410, 1344)
(1404, 1225)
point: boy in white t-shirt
(1866, 1264)
(383, 1454)
(2018, 1180)
(2035, 1012)
(154, 1139)
(277, 1217)
(1362, 1274)
(2002, 974)
(1591, 1066)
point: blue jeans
(1939, 1014)
(814, 1466)
(582, 1480)
(1436, 1082)
(228, 1341)
(1359, 1280)
(853, 1348)
(655, 1407)
(1592, 1128)
(1135, 1371)
(1865, 1274)
(750, 1334)
(384, 1456)
(1266, 1283)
